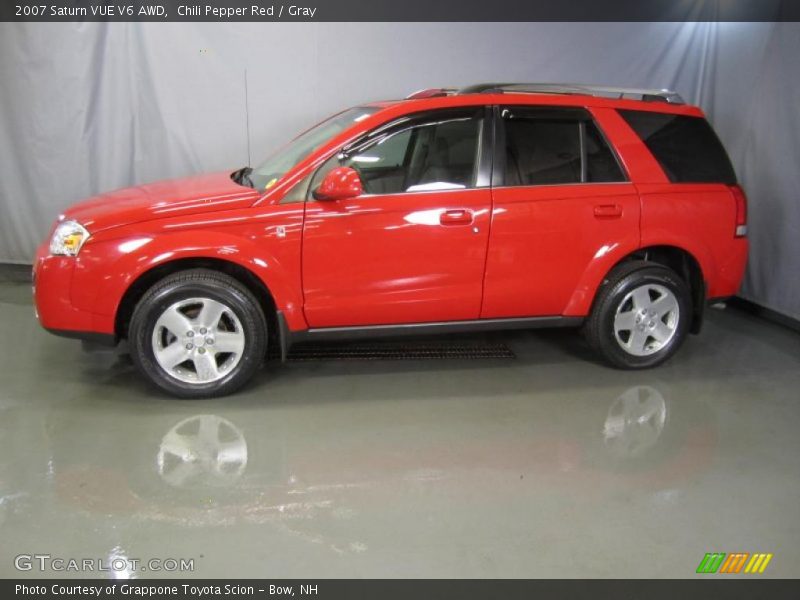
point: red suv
(496, 206)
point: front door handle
(456, 216)
(608, 211)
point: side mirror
(340, 184)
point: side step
(398, 351)
(290, 339)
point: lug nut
(190, 333)
(189, 346)
(209, 341)
(202, 331)
(201, 350)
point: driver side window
(439, 152)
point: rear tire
(640, 317)
(198, 333)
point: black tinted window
(552, 146)
(686, 147)
(438, 152)
(601, 164)
(542, 151)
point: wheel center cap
(199, 338)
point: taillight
(741, 211)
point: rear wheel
(198, 333)
(641, 316)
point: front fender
(106, 268)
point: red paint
(340, 184)
(162, 199)
(354, 259)
(403, 258)
(546, 238)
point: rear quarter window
(686, 147)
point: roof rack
(647, 95)
(431, 93)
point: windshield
(269, 172)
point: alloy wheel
(646, 320)
(198, 340)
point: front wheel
(641, 316)
(198, 333)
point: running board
(319, 334)
(400, 349)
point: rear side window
(555, 146)
(687, 148)
(601, 164)
(541, 152)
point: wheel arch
(145, 280)
(679, 260)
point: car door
(412, 248)
(561, 200)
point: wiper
(242, 176)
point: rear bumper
(730, 270)
(52, 281)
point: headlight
(68, 238)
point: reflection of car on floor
(635, 421)
(202, 448)
(497, 206)
(205, 469)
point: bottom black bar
(708, 588)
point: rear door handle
(456, 216)
(608, 211)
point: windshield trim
(314, 159)
(285, 159)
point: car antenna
(247, 118)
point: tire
(643, 291)
(207, 318)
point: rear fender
(604, 260)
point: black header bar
(400, 10)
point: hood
(162, 199)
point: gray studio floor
(545, 465)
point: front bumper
(52, 283)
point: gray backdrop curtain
(90, 107)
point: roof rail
(431, 93)
(647, 95)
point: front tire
(640, 317)
(197, 334)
